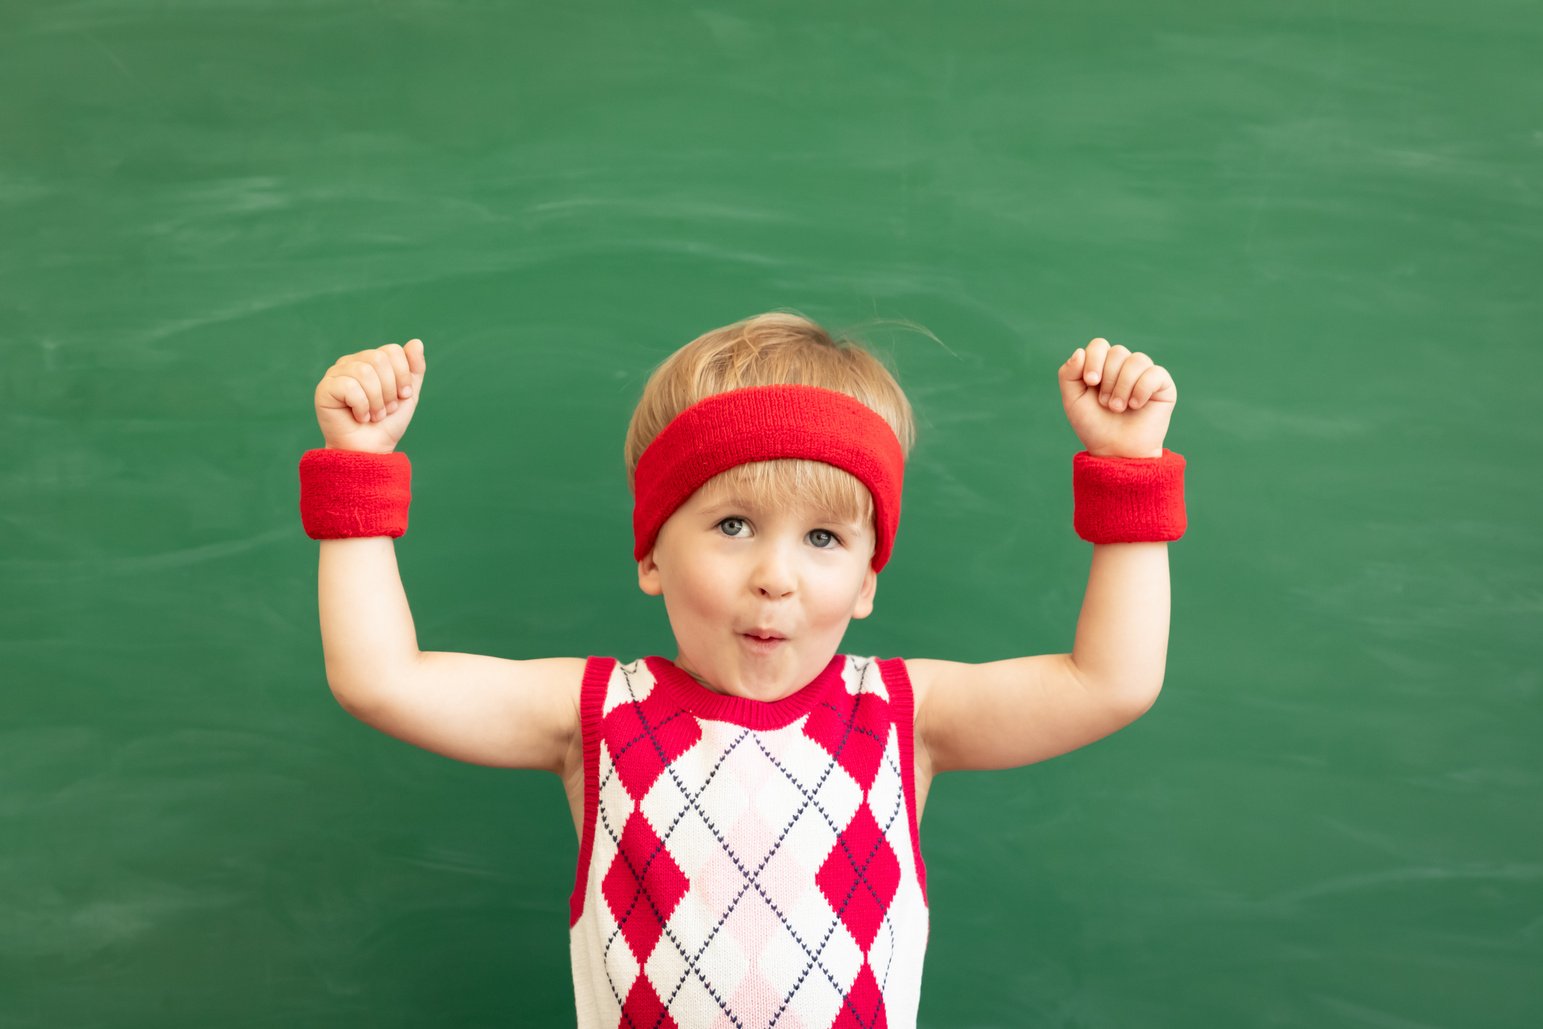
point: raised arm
(1002, 714)
(517, 714)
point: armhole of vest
(597, 676)
(898, 682)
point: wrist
(1125, 456)
(379, 451)
(351, 493)
(1120, 500)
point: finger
(1155, 384)
(1130, 371)
(363, 371)
(344, 390)
(1114, 360)
(1093, 370)
(386, 403)
(401, 373)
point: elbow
(1128, 699)
(357, 699)
(343, 697)
(1137, 702)
(347, 699)
(374, 694)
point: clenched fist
(366, 399)
(1118, 403)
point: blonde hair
(770, 350)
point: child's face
(758, 597)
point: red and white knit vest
(746, 863)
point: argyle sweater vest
(745, 863)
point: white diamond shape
(722, 966)
(786, 960)
(642, 684)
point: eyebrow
(729, 503)
(736, 502)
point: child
(748, 812)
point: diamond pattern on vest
(860, 877)
(748, 873)
(854, 734)
(649, 735)
(643, 886)
(645, 1009)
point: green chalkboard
(1326, 218)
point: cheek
(841, 597)
(698, 590)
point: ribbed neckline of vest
(752, 714)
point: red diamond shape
(643, 1008)
(854, 735)
(860, 876)
(645, 736)
(642, 886)
(864, 1005)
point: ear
(864, 606)
(648, 576)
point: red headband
(763, 423)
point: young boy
(748, 812)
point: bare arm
(1013, 712)
(1003, 714)
(517, 714)
(486, 710)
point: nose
(772, 576)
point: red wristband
(346, 493)
(1128, 500)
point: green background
(1322, 217)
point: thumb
(417, 362)
(1070, 377)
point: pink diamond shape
(860, 876)
(643, 1009)
(864, 1004)
(853, 733)
(642, 886)
(645, 736)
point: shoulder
(922, 673)
(890, 677)
(606, 681)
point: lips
(763, 640)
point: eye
(824, 539)
(735, 527)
